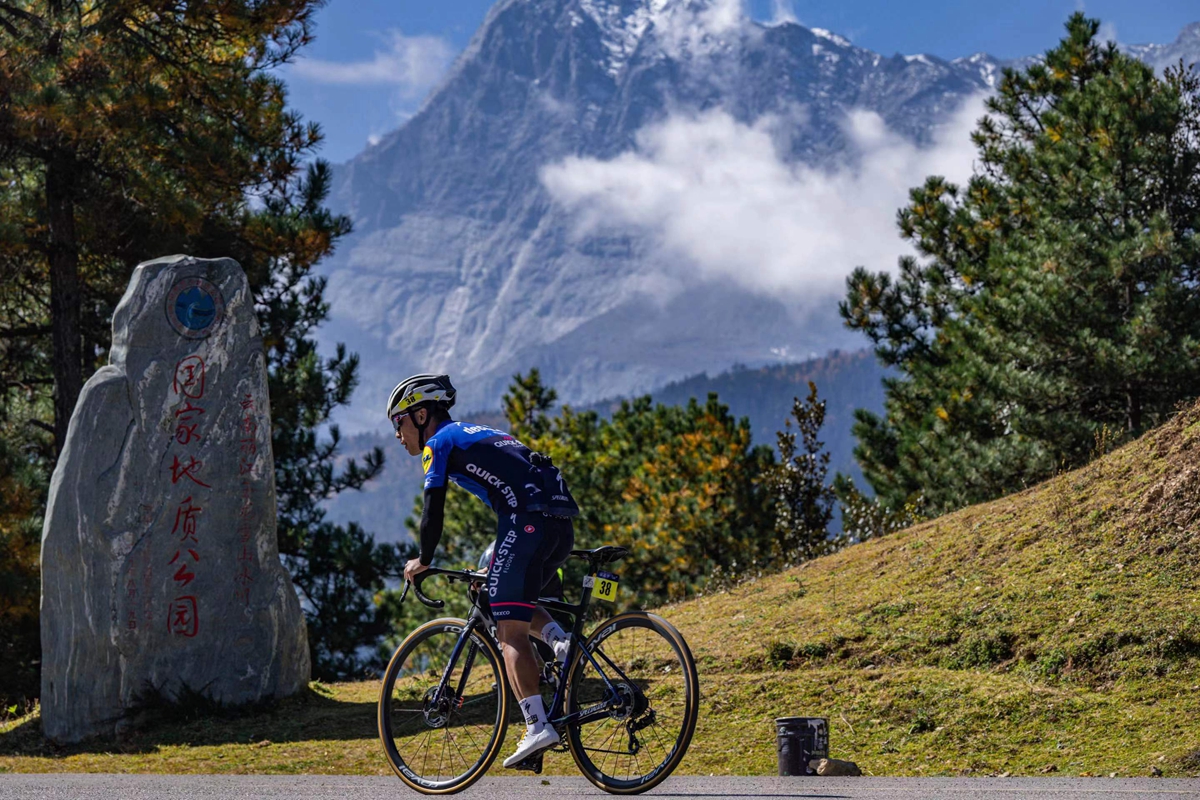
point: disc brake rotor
(437, 714)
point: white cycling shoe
(532, 745)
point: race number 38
(603, 585)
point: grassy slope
(1054, 631)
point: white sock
(554, 635)
(534, 711)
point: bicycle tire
(410, 775)
(581, 667)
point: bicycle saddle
(602, 555)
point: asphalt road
(318, 787)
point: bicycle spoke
(442, 755)
(425, 752)
(648, 673)
(610, 736)
(444, 735)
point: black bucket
(800, 740)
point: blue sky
(373, 61)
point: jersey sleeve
(434, 460)
(433, 518)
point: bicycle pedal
(532, 764)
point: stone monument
(160, 567)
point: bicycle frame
(620, 691)
(478, 621)
(578, 612)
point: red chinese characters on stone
(245, 508)
(185, 520)
(131, 594)
(189, 377)
(186, 434)
(247, 444)
(244, 577)
(183, 576)
(247, 456)
(183, 618)
(181, 470)
(188, 412)
(188, 385)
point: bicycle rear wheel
(641, 739)
(441, 744)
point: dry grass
(1053, 631)
(329, 729)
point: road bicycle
(625, 704)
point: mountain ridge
(463, 261)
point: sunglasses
(396, 418)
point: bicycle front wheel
(441, 736)
(649, 723)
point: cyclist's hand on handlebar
(413, 568)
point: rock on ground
(833, 767)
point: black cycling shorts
(530, 547)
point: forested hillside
(846, 381)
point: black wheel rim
(440, 740)
(644, 735)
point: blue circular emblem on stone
(194, 307)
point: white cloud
(695, 26)
(412, 63)
(718, 200)
(783, 11)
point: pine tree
(1053, 295)
(126, 128)
(134, 129)
(803, 500)
(340, 570)
(23, 488)
(525, 405)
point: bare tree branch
(30, 330)
(21, 13)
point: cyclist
(533, 539)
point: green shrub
(981, 650)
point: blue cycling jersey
(497, 469)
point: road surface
(335, 787)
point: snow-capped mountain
(472, 255)
(1185, 48)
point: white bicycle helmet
(417, 391)
(420, 390)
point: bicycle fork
(441, 693)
